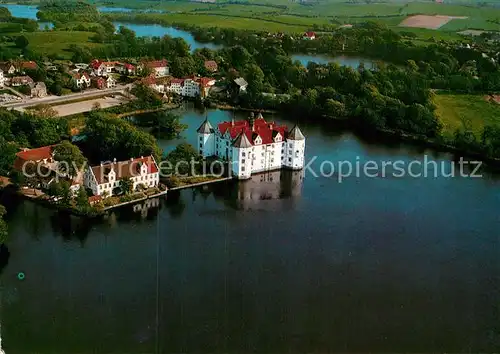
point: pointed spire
(295, 133)
(242, 141)
(205, 127)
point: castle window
(201, 138)
(242, 160)
(272, 160)
(242, 168)
(243, 154)
(289, 159)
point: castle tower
(206, 139)
(241, 157)
(294, 149)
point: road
(61, 99)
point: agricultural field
(471, 112)
(58, 42)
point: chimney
(102, 164)
(131, 159)
(114, 160)
(271, 125)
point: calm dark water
(352, 62)
(281, 265)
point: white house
(241, 83)
(2, 78)
(82, 80)
(190, 87)
(158, 67)
(253, 145)
(105, 178)
(103, 68)
(110, 82)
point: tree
(168, 125)
(5, 14)
(22, 42)
(55, 189)
(82, 199)
(181, 157)
(71, 159)
(4, 232)
(126, 185)
(66, 193)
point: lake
(352, 62)
(286, 262)
(153, 30)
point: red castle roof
(261, 128)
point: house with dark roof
(104, 179)
(253, 145)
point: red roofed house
(26, 65)
(43, 156)
(104, 179)
(158, 67)
(98, 82)
(103, 68)
(82, 79)
(309, 35)
(126, 69)
(191, 86)
(253, 145)
(211, 65)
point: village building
(38, 90)
(241, 84)
(82, 80)
(104, 179)
(158, 67)
(98, 82)
(22, 66)
(211, 65)
(43, 156)
(310, 35)
(8, 68)
(21, 81)
(193, 86)
(110, 82)
(103, 68)
(2, 78)
(126, 69)
(253, 145)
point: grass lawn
(58, 42)
(466, 112)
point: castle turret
(206, 139)
(294, 149)
(241, 157)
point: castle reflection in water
(252, 193)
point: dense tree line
(108, 138)
(18, 130)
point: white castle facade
(253, 145)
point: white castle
(253, 145)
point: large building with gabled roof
(253, 145)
